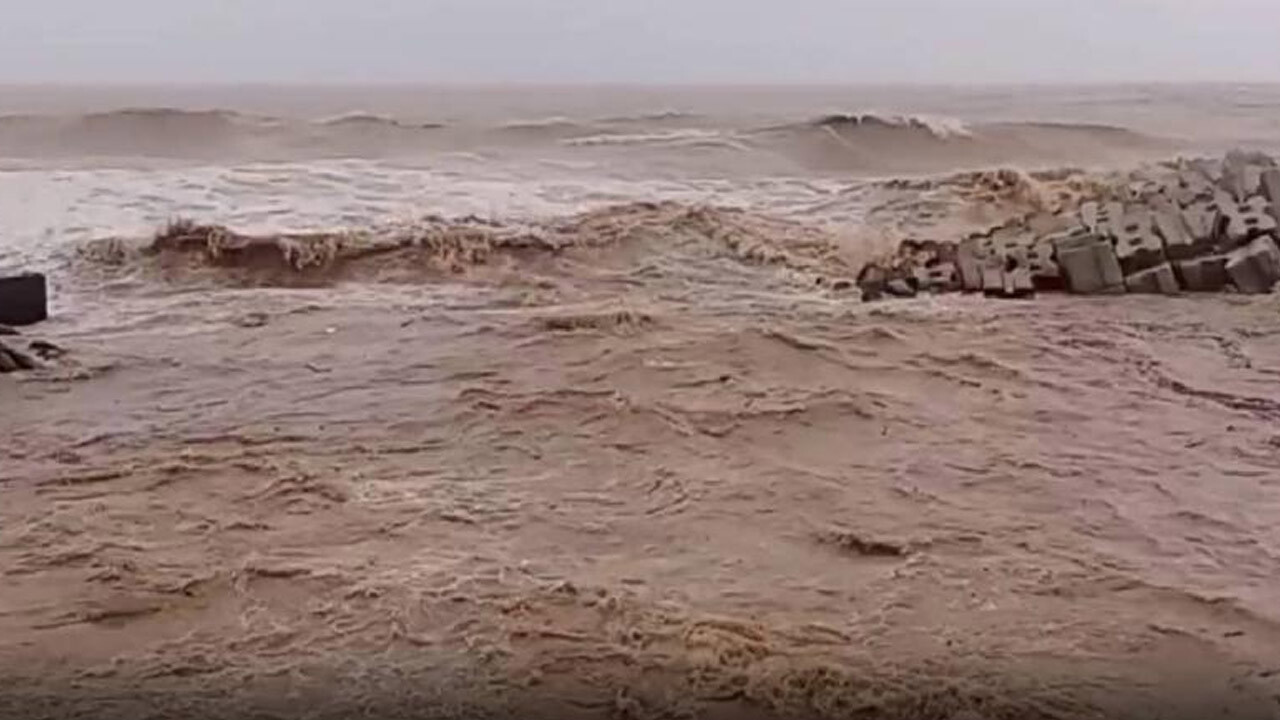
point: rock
(1158, 280)
(1255, 268)
(1089, 264)
(12, 360)
(6, 330)
(46, 350)
(1203, 274)
(1137, 245)
(23, 299)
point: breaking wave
(432, 248)
(854, 142)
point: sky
(638, 41)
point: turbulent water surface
(559, 402)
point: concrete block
(938, 277)
(1158, 280)
(1202, 274)
(1089, 213)
(1018, 283)
(1190, 186)
(1246, 221)
(1045, 273)
(1255, 268)
(969, 265)
(23, 299)
(992, 278)
(1110, 220)
(872, 281)
(1089, 265)
(1137, 245)
(1242, 173)
(1271, 185)
(1202, 219)
(1174, 233)
(900, 288)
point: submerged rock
(13, 360)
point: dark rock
(1158, 280)
(23, 299)
(1204, 274)
(46, 350)
(1255, 268)
(12, 360)
(6, 330)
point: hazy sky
(766, 41)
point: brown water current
(648, 459)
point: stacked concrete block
(969, 265)
(1138, 247)
(938, 277)
(1110, 220)
(1202, 219)
(1203, 274)
(1255, 268)
(1043, 268)
(1247, 220)
(1190, 186)
(1198, 226)
(1271, 191)
(1089, 214)
(1158, 280)
(992, 278)
(1171, 228)
(1088, 262)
